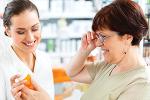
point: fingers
(95, 39)
(26, 90)
(13, 79)
(88, 41)
(36, 86)
(16, 92)
(84, 42)
(16, 87)
(18, 96)
(90, 37)
(16, 84)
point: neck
(27, 58)
(132, 60)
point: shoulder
(136, 93)
(139, 80)
(43, 58)
(42, 55)
(138, 90)
(138, 87)
(141, 75)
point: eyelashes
(23, 32)
(20, 32)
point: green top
(130, 85)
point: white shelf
(56, 54)
(61, 38)
(69, 15)
(54, 36)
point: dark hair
(15, 7)
(124, 17)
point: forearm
(77, 63)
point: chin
(107, 60)
(30, 50)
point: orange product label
(28, 82)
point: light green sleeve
(94, 67)
(140, 91)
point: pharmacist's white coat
(9, 63)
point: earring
(124, 52)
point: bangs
(101, 20)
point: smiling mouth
(30, 44)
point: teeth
(29, 44)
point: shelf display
(146, 42)
(62, 30)
(63, 24)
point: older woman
(118, 29)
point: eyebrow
(20, 28)
(103, 33)
(99, 33)
(35, 24)
(25, 29)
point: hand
(16, 87)
(37, 94)
(89, 41)
(21, 92)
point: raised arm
(76, 68)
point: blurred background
(63, 24)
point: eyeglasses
(101, 37)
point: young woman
(118, 29)
(22, 25)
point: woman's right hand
(89, 41)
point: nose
(30, 36)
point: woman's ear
(128, 38)
(7, 31)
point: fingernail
(16, 80)
(19, 93)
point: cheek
(117, 51)
(17, 39)
(38, 36)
